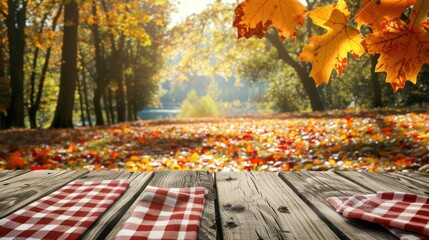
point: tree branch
(274, 39)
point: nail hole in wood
(230, 179)
(283, 209)
(230, 225)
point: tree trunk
(117, 75)
(376, 87)
(79, 90)
(31, 110)
(4, 88)
(15, 22)
(106, 108)
(120, 101)
(311, 90)
(97, 107)
(110, 110)
(130, 100)
(303, 74)
(64, 111)
(100, 80)
(85, 93)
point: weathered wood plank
(109, 221)
(315, 187)
(424, 177)
(21, 190)
(7, 174)
(177, 179)
(257, 205)
(387, 182)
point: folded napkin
(165, 213)
(405, 215)
(65, 213)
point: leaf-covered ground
(355, 141)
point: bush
(194, 106)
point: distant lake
(158, 113)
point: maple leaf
(254, 17)
(403, 47)
(330, 50)
(16, 161)
(373, 14)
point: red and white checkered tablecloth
(165, 213)
(405, 215)
(65, 213)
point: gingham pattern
(405, 215)
(63, 214)
(165, 213)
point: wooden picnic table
(240, 205)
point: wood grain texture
(258, 205)
(178, 179)
(22, 190)
(315, 187)
(7, 174)
(110, 222)
(387, 182)
(424, 177)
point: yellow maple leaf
(329, 51)
(373, 14)
(254, 17)
(403, 47)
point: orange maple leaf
(16, 161)
(373, 14)
(254, 17)
(330, 50)
(403, 47)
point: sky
(188, 7)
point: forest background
(130, 57)
(66, 64)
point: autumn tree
(14, 15)
(126, 40)
(392, 36)
(205, 45)
(63, 117)
(4, 81)
(43, 33)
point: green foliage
(413, 95)
(206, 45)
(206, 107)
(194, 106)
(284, 92)
(49, 100)
(351, 90)
(213, 90)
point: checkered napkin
(405, 215)
(63, 214)
(165, 213)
